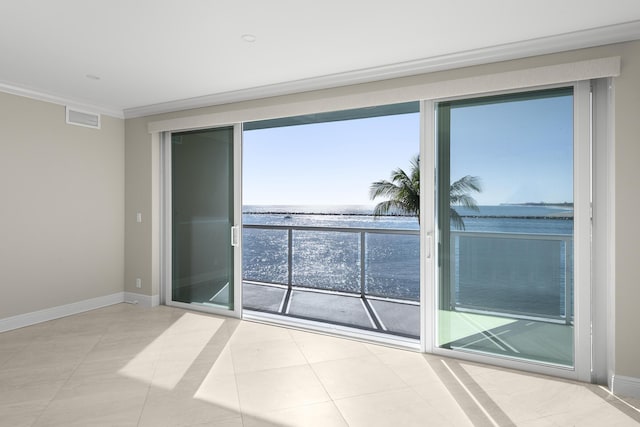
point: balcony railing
(520, 275)
(524, 275)
(364, 261)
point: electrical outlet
(138, 283)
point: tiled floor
(128, 366)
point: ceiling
(131, 57)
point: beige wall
(627, 174)
(627, 212)
(138, 199)
(61, 215)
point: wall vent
(83, 118)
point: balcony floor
(391, 316)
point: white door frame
(582, 244)
(166, 226)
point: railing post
(289, 257)
(363, 273)
(567, 288)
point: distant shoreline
(561, 205)
(562, 216)
(521, 211)
(321, 213)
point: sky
(331, 163)
(521, 151)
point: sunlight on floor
(187, 337)
(124, 365)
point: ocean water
(504, 218)
(331, 259)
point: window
(505, 225)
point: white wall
(61, 207)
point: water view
(330, 258)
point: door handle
(235, 233)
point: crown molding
(18, 90)
(569, 41)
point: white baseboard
(142, 300)
(28, 319)
(626, 386)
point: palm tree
(403, 193)
(459, 195)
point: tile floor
(128, 366)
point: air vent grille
(83, 118)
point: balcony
(359, 277)
(370, 278)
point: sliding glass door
(203, 218)
(507, 206)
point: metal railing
(359, 238)
(523, 275)
(527, 275)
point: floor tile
(443, 403)
(49, 351)
(22, 414)
(247, 332)
(221, 390)
(593, 414)
(223, 364)
(321, 348)
(355, 376)
(24, 385)
(232, 422)
(317, 415)
(390, 408)
(411, 366)
(83, 411)
(167, 408)
(282, 388)
(261, 355)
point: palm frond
(383, 189)
(403, 194)
(455, 219)
(386, 207)
(465, 185)
(459, 193)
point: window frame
(582, 246)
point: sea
(521, 218)
(331, 258)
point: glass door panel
(202, 193)
(505, 224)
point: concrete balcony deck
(363, 312)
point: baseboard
(142, 300)
(28, 319)
(626, 386)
